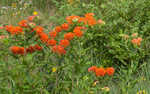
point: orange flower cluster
(49, 39)
(137, 41)
(14, 29)
(34, 48)
(58, 49)
(101, 71)
(69, 36)
(88, 19)
(21, 50)
(17, 50)
(23, 23)
(77, 31)
(31, 18)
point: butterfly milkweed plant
(41, 60)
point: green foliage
(103, 45)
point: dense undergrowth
(74, 47)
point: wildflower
(14, 29)
(18, 29)
(91, 22)
(90, 19)
(137, 41)
(65, 26)
(23, 23)
(37, 47)
(71, 19)
(89, 15)
(58, 28)
(14, 49)
(54, 69)
(51, 42)
(69, 36)
(21, 50)
(53, 34)
(106, 89)
(77, 31)
(44, 37)
(9, 28)
(58, 49)
(35, 13)
(54, 49)
(61, 50)
(82, 19)
(17, 50)
(93, 68)
(100, 72)
(38, 29)
(110, 71)
(100, 21)
(1, 27)
(30, 49)
(64, 43)
(31, 18)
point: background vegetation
(107, 45)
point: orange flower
(77, 31)
(21, 50)
(37, 47)
(90, 19)
(58, 28)
(14, 49)
(110, 71)
(14, 29)
(58, 49)
(100, 21)
(65, 26)
(51, 42)
(30, 49)
(23, 23)
(38, 30)
(61, 50)
(100, 72)
(31, 18)
(54, 49)
(17, 50)
(137, 41)
(89, 15)
(1, 27)
(93, 68)
(18, 29)
(44, 37)
(70, 19)
(64, 43)
(83, 19)
(53, 34)
(69, 36)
